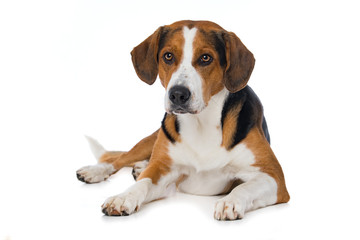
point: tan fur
(141, 151)
(201, 24)
(240, 63)
(182, 178)
(213, 74)
(266, 161)
(230, 126)
(143, 58)
(170, 127)
(174, 46)
(160, 162)
(110, 157)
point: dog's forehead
(207, 32)
(205, 25)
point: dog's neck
(211, 115)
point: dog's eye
(168, 57)
(205, 59)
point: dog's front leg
(153, 183)
(143, 191)
(260, 191)
(129, 201)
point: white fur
(186, 75)
(98, 172)
(201, 137)
(95, 173)
(96, 148)
(129, 201)
(143, 191)
(259, 191)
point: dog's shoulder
(241, 112)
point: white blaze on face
(187, 76)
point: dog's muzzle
(179, 97)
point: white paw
(138, 168)
(129, 202)
(120, 205)
(228, 208)
(95, 173)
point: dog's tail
(96, 148)
(99, 151)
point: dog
(213, 138)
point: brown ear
(144, 57)
(240, 63)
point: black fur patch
(162, 39)
(215, 39)
(265, 129)
(177, 126)
(166, 132)
(250, 113)
(220, 48)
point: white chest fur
(200, 156)
(201, 137)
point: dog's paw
(139, 167)
(120, 205)
(95, 173)
(229, 209)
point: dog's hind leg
(158, 180)
(109, 162)
(139, 167)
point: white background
(65, 71)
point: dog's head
(194, 61)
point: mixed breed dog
(213, 138)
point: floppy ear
(240, 63)
(144, 57)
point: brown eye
(168, 57)
(205, 59)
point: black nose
(179, 95)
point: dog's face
(194, 61)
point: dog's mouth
(181, 110)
